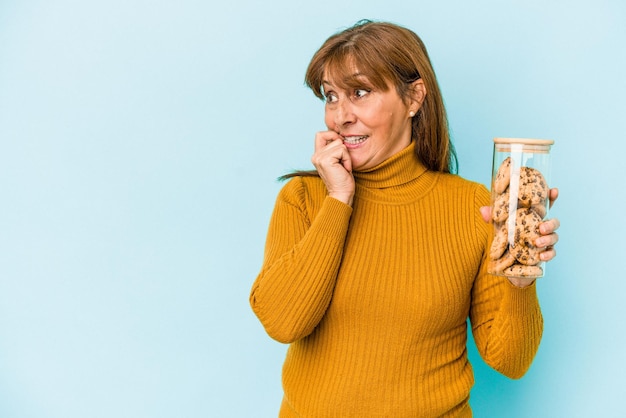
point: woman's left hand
(547, 229)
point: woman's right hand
(332, 161)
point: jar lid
(524, 141)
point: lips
(355, 139)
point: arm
(507, 324)
(302, 258)
(506, 319)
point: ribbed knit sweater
(374, 298)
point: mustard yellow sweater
(374, 298)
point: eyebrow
(355, 76)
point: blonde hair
(388, 54)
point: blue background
(139, 146)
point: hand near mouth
(333, 163)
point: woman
(374, 262)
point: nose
(344, 113)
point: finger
(553, 195)
(549, 226)
(547, 241)
(346, 161)
(338, 153)
(548, 254)
(485, 211)
(331, 153)
(324, 138)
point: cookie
(500, 241)
(526, 254)
(526, 232)
(533, 189)
(501, 207)
(540, 210)
(526, 226)
(519, 270)
(498, 266)
(503, 176)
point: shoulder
(464, 187)
(303, 191)
(300, 185)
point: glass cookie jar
(520, 202)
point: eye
(360, 93)
(330, 97)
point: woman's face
(374, 124)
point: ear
(417, 94)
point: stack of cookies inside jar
(519, 196)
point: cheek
(329, 120)
(379, 122)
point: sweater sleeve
(506, 320)
(302, 258)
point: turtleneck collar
(399, 169)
